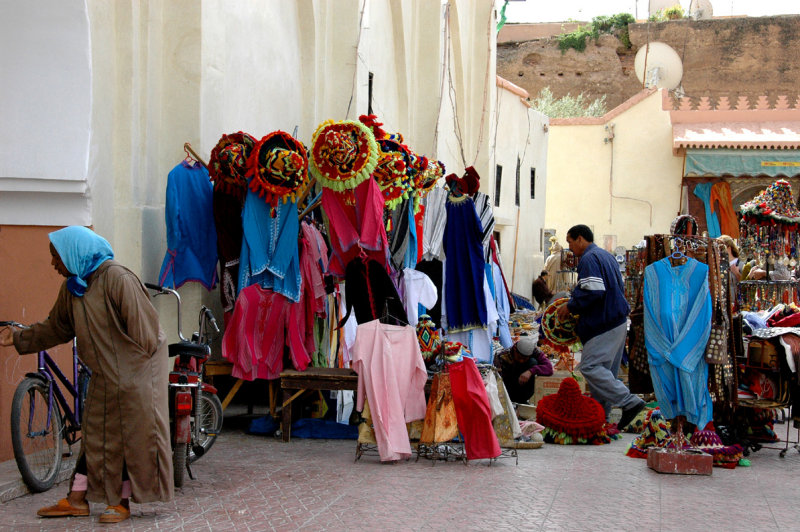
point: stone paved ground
(258, 483)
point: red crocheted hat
(708, 441)
(570, 412)
(227, 164)
(277, 167)
(393, 172)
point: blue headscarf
(82, 251)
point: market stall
(330, 253)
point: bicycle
(195, 411)
(40, 425)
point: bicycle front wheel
(36, 435)
(210, 421)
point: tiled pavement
(259, 483)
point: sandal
(63, 509)
(115, 514)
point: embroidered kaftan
(677, 322)
(270, 256)
(464, 268)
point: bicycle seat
(189, 349)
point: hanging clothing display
(418, 290)
(191, 235)
(472, 410)
(369, 291)
(433, 269)
(441, 424)
(270, 255)
(483, 206)
(703, 192)
(260, 328)
(722, 205)
(677, 323)
(503, 309)
(464, 271)
(391, 375)
(434, 223)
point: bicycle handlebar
(164, 290)
(18, 325)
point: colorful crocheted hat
(559, 332)
(570, 412)
(709, 442)
(371, 121)
(430, 343)
(454, 351)
(393, 172)
(655, 434)
(227, 164)
(343, 154)
(425, 180)
(277, 167)
(468, 184)
(775, 202)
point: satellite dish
(619, 250)
(701, 9)
(663, 66)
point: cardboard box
(547, 385)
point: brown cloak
(127, 418)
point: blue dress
(464, 267)
(191, 234)
(677, 323)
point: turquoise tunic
(677, 323)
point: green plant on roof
(615, 25)
(567, 106)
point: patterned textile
(343, 154)
(655, 434)
(430, 342)
(278, 167)
(559, 332)
(393, 172)
(440, 424)
(228, 163)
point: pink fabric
(355, 225)
(312, 294)
(255, 336)
(81, 482)
(391, 374)
(472, 410)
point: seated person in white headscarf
(519, 366)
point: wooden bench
(294, 383)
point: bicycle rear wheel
(210, 420)
(37, 441)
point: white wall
(45, 105)
(519, 133)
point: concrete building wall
(616, 174)
(521, 139)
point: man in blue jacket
(598, 300)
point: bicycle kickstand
(189, 469)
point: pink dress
(355, 225)
(256, 333)
(391, 374)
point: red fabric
(472, 410)
(789, 321)
(419, 219)
(722, 205)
